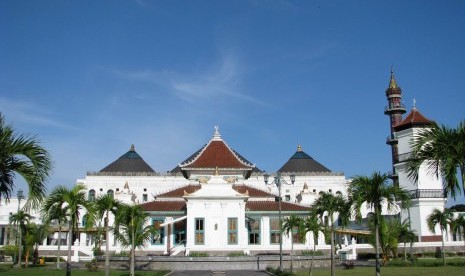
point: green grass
(51, 271)
(391, 271)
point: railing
(427, 193)
(394, 106)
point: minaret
(394, 110)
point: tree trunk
(292, 253)
(333, 261)
(378, 267)
(310, 273)
(20, 248)
(443, 253)
(133, 255)
(70, 241)
(26, 257)
(107, 248)
(405, 251)
(410, 229)
(59, 245)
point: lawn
(392, 271)
(49, 271)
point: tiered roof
(301, 162)
(216, 155)
(130, 162)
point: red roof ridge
(217, 139)
(414, 118)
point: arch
(91, 195)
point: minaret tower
(394, 110)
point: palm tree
(73, 202)
(290, 225)
(374, 191)
(328, 204)
(442, 219)
(406, 234)
(105, 205)
(39, 232)
(20, 219)
(458, 226)
(314, 225)
(442, 150)
(22, 154)
(58, 214)
(131, 231)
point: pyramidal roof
(216, 154)
(413, 119)
(301, 162)
(130, 162)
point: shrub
(238, 254)
(10, 250)
(92, 265)
(348, 265)
(121, 254)
(279, 272)
(310, 253)
(97, 251)
(198, 254)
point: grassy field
(392, 271)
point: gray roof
(131, 161)
(301, 162)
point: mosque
(218, 201)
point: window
(111, 193)
(199, 231)
(274, 231)
(254, 231)
(232, 230)
(91, 196)
(144, 197)
(288, 197)
(159, 237)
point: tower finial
(216, 134)
(299, 148)
(414, 103)
(392, 81)
(132, 148)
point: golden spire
(392, 82)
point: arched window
(91, 196)
(111, 193)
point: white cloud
(216, 83)
(21, 111)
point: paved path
(218, 273)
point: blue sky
(90, 78)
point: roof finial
(392, 81)
(299, 148)
(216, 134)
(132, 148)
(414, 103)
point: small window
(288, 197)
(232, 230)
(91, 196)
(117, 189)
(111, 193)
(314, 190)
(144, 197)
(145, 189)
(199, 231)
(330, 190)
(101, 189)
